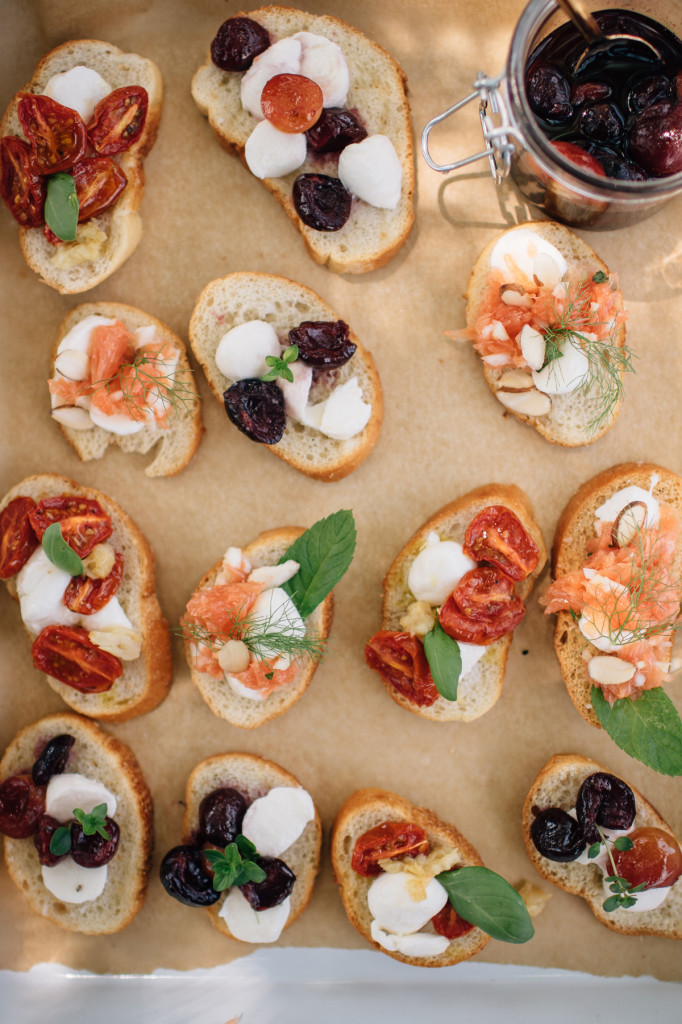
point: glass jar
(517, 147)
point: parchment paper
(205, 216)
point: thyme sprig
(623, 892)
(141, 387)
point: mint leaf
(324, 553)
(94, 822)
(59, 552)
(648, 729)
(61, 841)
(486, 900)
(61, 206)
(279, 367)
(445, 661)
(234, 865)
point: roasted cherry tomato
(21, 805)
(292, 103)
(496, 536)
(83, 521)
(57, 134)
(99, 182)
(17, 539)
(86, 595)
(70, 656)
(390, 839)
(654, 859)
(118, 120)
(447, 922)
(482, 608)
(399, 659)
(23, 190)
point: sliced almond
(73, 364)
(234, 657)
(515, 295)
(607, 670)
(125, 643)
(73, 417)
(515, 380)
(546, 271)
(528, 403)
(629, 523)
(499, 332)
(532, 347)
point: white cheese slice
(608, 512)
(270, 153)
(79, 88)
(323, 62)
(275, 612)
(437, 569)
(275, 575)
(391, 903)
(40, 588)
(296, 391)
(241, 352)
(282, 58)
(117, 423)
(70, 790)
(251, 925)
(417, 944)
(520, 249)
(111, 615)
(371, 170)
(80, 335)
(564, 374)
(72, 883)
(344, 414)
(471, 654)
(274, 821)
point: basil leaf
(485, 899)
(61, 841)
(648, 729)
(445, 661)
(61, 206)
(324, 553)
(59, 552)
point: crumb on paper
(533, 896)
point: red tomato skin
(83, 521)
(399, 659)
(482, 608)
(497, 536)
(654, 859)
(447, 922)
(57, 134)
(388, 840)
(99, 182)
(17, 539)
(23, 190)
(86, 595)
(292, 103)
(68, 654)
(118, 120)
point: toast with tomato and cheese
(559, 828)
(546, 316)
(371, 185)
(96, 768)
(450, 579)
(328, 416)
(121, 377)
(96, 628)
(108, 235)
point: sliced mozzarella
(282, 58)
(437, 569)
(118, 423)
(323, 61)
(274, 821)
(520, 249)
(145, 335)
(40, 588)
(391, 903)
(372, 171)
(249, 925)
(241, 352)
(240, 690)
(564, 374)
(71, 883)
(80, 336)
(296, 391)
(471, 654)
(417, 944)
(79, 88)
(608, 512)
(342, 415)
(275, 612)
(270, 153)
(110, 615)
(69, 791)
(275, 575)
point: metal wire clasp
(498, 147)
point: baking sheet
(204, 216)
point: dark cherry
(322, 202)
(275, 887)
(321, 343)
(185, 877)
(557, 835)
(616, 167)
(237, 42)
(220, 816)
(656, 139)
(549, 93)
(335, 129)
(589, 92)
(94, 851)
(21, 804)
(256, 407)
(604, 800)
(648, 90)
(42, 837)
(602, 122)
(53, 759)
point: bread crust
(556, 784)
(558, 426)
(367, 808)
(145, 681)
(178, 443)
(374, 74)
(482, 686)
(569, 552)
(105, 759)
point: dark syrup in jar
(623, 106)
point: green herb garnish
(485, 899)
(61, 206)
(324, 553)
(141, 387)
(265, 638)
(61, 841)
(59, 552)
(93, 822)
(648, 729)
(279, 366)
(624, 892)
(235, 865)
(445, 661)
(600, 277)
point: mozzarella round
(282, 58)
(111, 614)
(323, 61)
(372, 171)
(520, 249)
(270, 153)
(564, 374)
(296, 391)
(342, 415)
(608, 512)
(470, 654)
(274, 610)
(437, 569)
(40, 589)
(241, 352)
(393, 908)
(251, 925)
(72, 883)
(418, 944)
(274, 821)
(69, 791)
(79, 88)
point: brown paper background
(204, 216)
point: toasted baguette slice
(479, 688)
(567, 422)
(253, 777)
(569, 552)
(121, 223)
(146, 680)
(557, 785)
(367, 808)
(103, 759)
(241, 297)
(378, 92)
(266, 549)
(176, 444)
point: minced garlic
(87, 247)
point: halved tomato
(399, 659)
(57, 134)
(83, 521)
(447, 922)
(68, 654)
(17, 539)
(496, 536)
(99, 182)
(118, 120)
(23, 189)
(86, 595)
(482, 608)
(388, 840)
